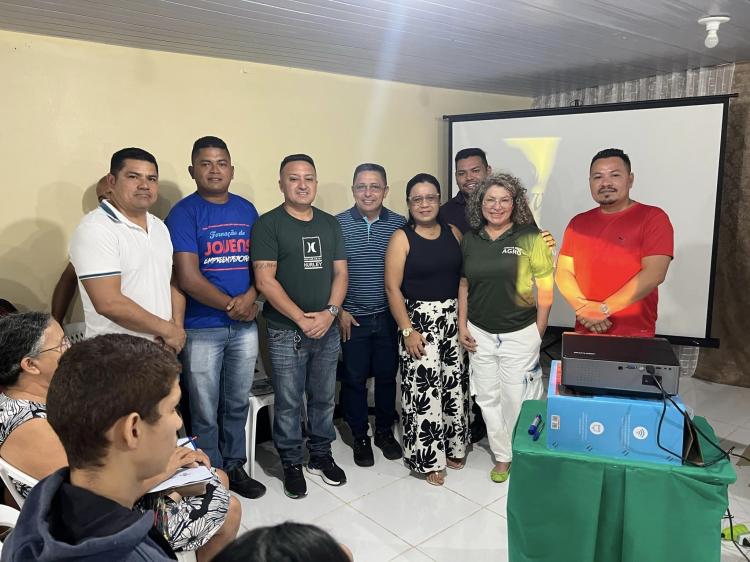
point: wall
(66, 105)
(731, 318)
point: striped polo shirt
(366, 243)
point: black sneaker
(245, 486)
(388, 444)
(294, 481)
(328, 470)
(363, 451)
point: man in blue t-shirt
(210, 232)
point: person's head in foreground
(287, 542)
(112, 402)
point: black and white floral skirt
(434, 389)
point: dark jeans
(372, 351)
(303, 366)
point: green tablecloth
(569, 507)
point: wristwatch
(604, 309)
(406, 332)
(333, 309)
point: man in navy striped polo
(368, 330)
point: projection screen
(676, 148)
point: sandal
(499, 476)
(455, 464)
(435, 478)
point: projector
(619, 365)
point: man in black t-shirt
(299, 262)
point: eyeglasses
(374, 187)
(429, 199)
(63, 346)
(503, 202)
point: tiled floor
(384, 513)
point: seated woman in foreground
(31, 345)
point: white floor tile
(368, 541)
(481, 537)
(500, 506)
(413, 555)
(413, 509)
(722, 429)
(725, 403)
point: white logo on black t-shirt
(312, 252)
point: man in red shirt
(615, 256)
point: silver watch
(333, 309)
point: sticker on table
(597, 428)
(554, 422)
(640, 432)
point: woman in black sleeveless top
(422, 272)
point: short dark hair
(100, 380)
(465, 153)
(419, 178)
(296, 158)
(611, 153)
(208, 142)
(21, 335)
(369, 167)
(117, 162)
(286, 542)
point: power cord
(731, 536)
(665, 397)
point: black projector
(619, 365)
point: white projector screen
(676, 148)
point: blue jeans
(372, 351)
(302, 365)
(218, 366)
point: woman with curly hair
(500, 322)
(422, 270)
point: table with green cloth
(571, 507)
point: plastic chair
(76, 331)
(257, 403)
(8, 471)
(8, 518)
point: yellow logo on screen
(541, 152)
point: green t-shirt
(304, 252)
(501, 276)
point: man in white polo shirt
(123, 257)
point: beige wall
(67, 105)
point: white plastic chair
(76, 331)
(257, 403)
(8, 518)
(8, 471)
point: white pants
(505, 371)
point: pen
(191, 442)
(534, 427)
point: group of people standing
(455, 298)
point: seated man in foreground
(113, 403)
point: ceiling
(522, 47)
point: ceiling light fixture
(712, 24)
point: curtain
(694, 82)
